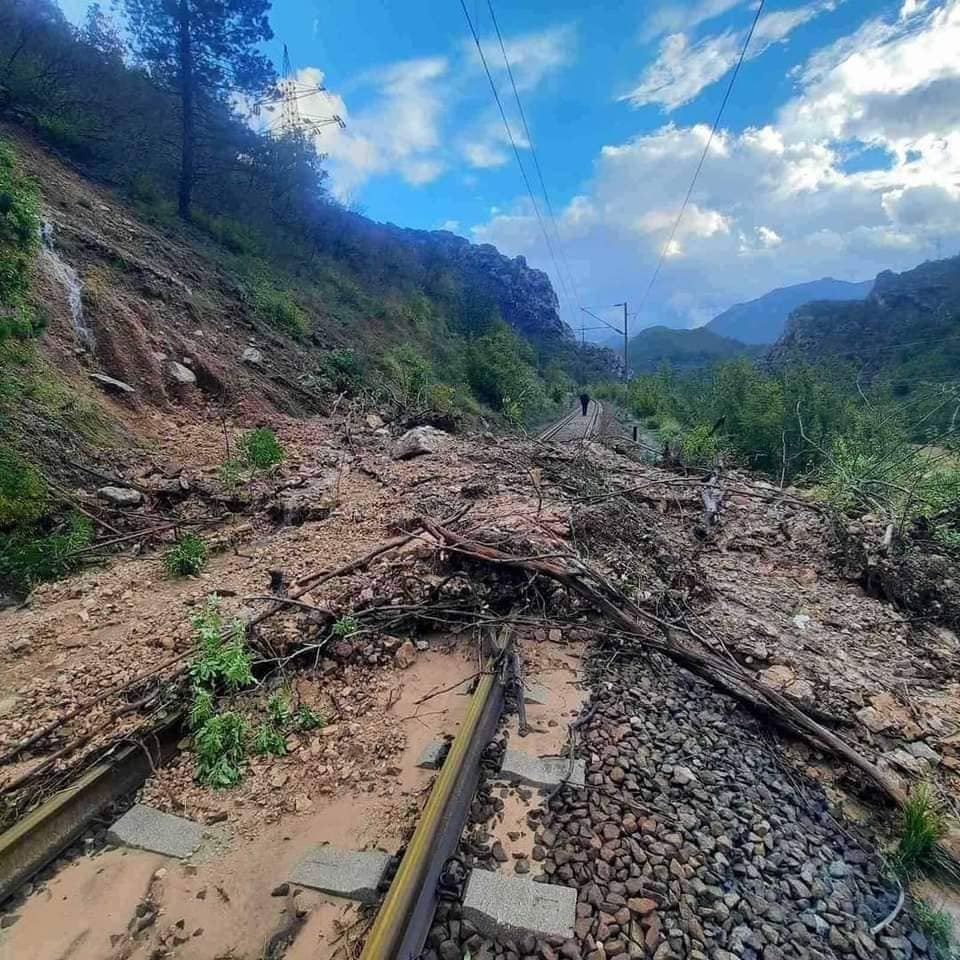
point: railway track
(569, 427)
(404, 918)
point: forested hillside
(682, 349)
(906, 331)
(110, 100)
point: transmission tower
(288, 94)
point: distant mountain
(762, 320)
(907, 329)
(682, 348)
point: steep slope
(681, 348)
(762, 320)
(909, 326)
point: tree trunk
(187, 94)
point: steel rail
(404, 919)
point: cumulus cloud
(774, 204)
(420, 117)
(683, 67)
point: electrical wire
(536, 159)
(703, 157)
(510, 137)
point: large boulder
(418, 441)
(314, 499)
(181, 375)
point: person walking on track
(584, 402)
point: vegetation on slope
(681, 348)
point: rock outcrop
(917, 310)
(523, 294)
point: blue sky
(838, 154)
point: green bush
(219, 747)
(261, 449)
(341, 371)
(23, 492)
(923, 823)
(700, 445)
(938, 926)
(19, 240)
(273, 304)
(29, 556)
(235, 236)
(221, 662)
(187, 557)
(267, 739)
(63, 132)
(501, 375)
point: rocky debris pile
(692, 840)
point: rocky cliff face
(523, 294)
(906, 316)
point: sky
(838, 153)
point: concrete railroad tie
(549, 772)
(145, 828)
(342, 873)
(510, 907)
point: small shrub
(221, 657)
(221, 662)
(230, 473)
(268, 740)
(278, 710)
(700, 445)
(220, 748)
(276, 306)
(938, 926)
(341, 371)
(346, 626)
(261, 449)
(187, 558)
(62, 132)
(28, 556)
(923, 823)
(306, 719)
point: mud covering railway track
(406, 914)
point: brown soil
(761, 589)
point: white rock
(252, 356)
(419, 440)
(120, 496)
(181, 374)
(923, 751)
(374, 421)
(109, 383)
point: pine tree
(203, 50)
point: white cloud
(533, 56)
(683, 68)
(420, 117)
(675, 17)
(778, 204)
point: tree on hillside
(203, 50)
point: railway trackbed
(574, 426)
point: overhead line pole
(624, 331)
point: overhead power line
(703, 157)
(536, 160)
(510, 137)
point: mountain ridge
(763, 319)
